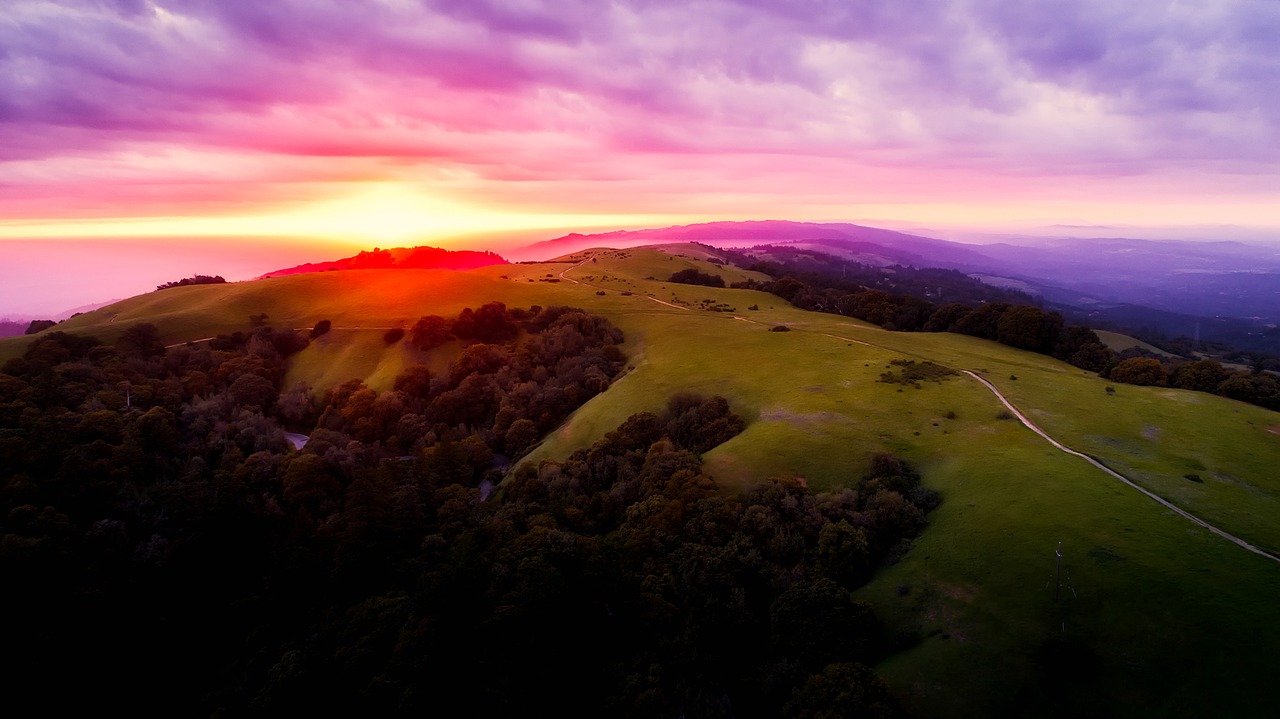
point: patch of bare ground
(1151, 432)
(1275, 429)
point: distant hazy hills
(855, 242)
(1194, 278)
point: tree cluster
(151, 505)
(692, 276)
(194, 280)
(150, 499)
(1257, 387)
(900, 298)
(38, 326)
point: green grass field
(1117, 342)
(1163, 618)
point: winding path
(564, 276)
(1031, 426)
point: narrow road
(1032, 426)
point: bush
(780, 328)
(322, 328)
(393, 335)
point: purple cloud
(538, 89)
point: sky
(291, 128)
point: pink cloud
(634, 103)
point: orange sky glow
(334, 126)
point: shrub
(393, 335)
(322, 328)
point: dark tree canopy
(39, 326)
(431, 331)
(193, 280)
(152, 500)
(1200, 376)
(692, 276)
(141, 340)
(321, 328)
(1029, 328)
(1140, 371)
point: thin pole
(1057, 573)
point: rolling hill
(1216, 290)
(1156, 616)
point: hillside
(1157, 615)
(1218, 291)
(399, 258)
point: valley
(1156, 615)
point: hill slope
(1156, 616)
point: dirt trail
(1032, 426)
(563, 276)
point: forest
(166, 550)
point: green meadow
(1155, 616)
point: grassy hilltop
(1157, 615)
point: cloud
(533, 90)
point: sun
(385, 213)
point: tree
(844, 690)
(141, 340)
(1029, 328)
(1092, 356)
(944, 318)
(415, 382)
(322, 328)
(39, 326)
(692, 276)
(430, 331)
(520, 436)
(1256, 389)
(490, 323)
(1140, 371)
(251, 390)
(983, 321)
(196, 280)
(1202, 376)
